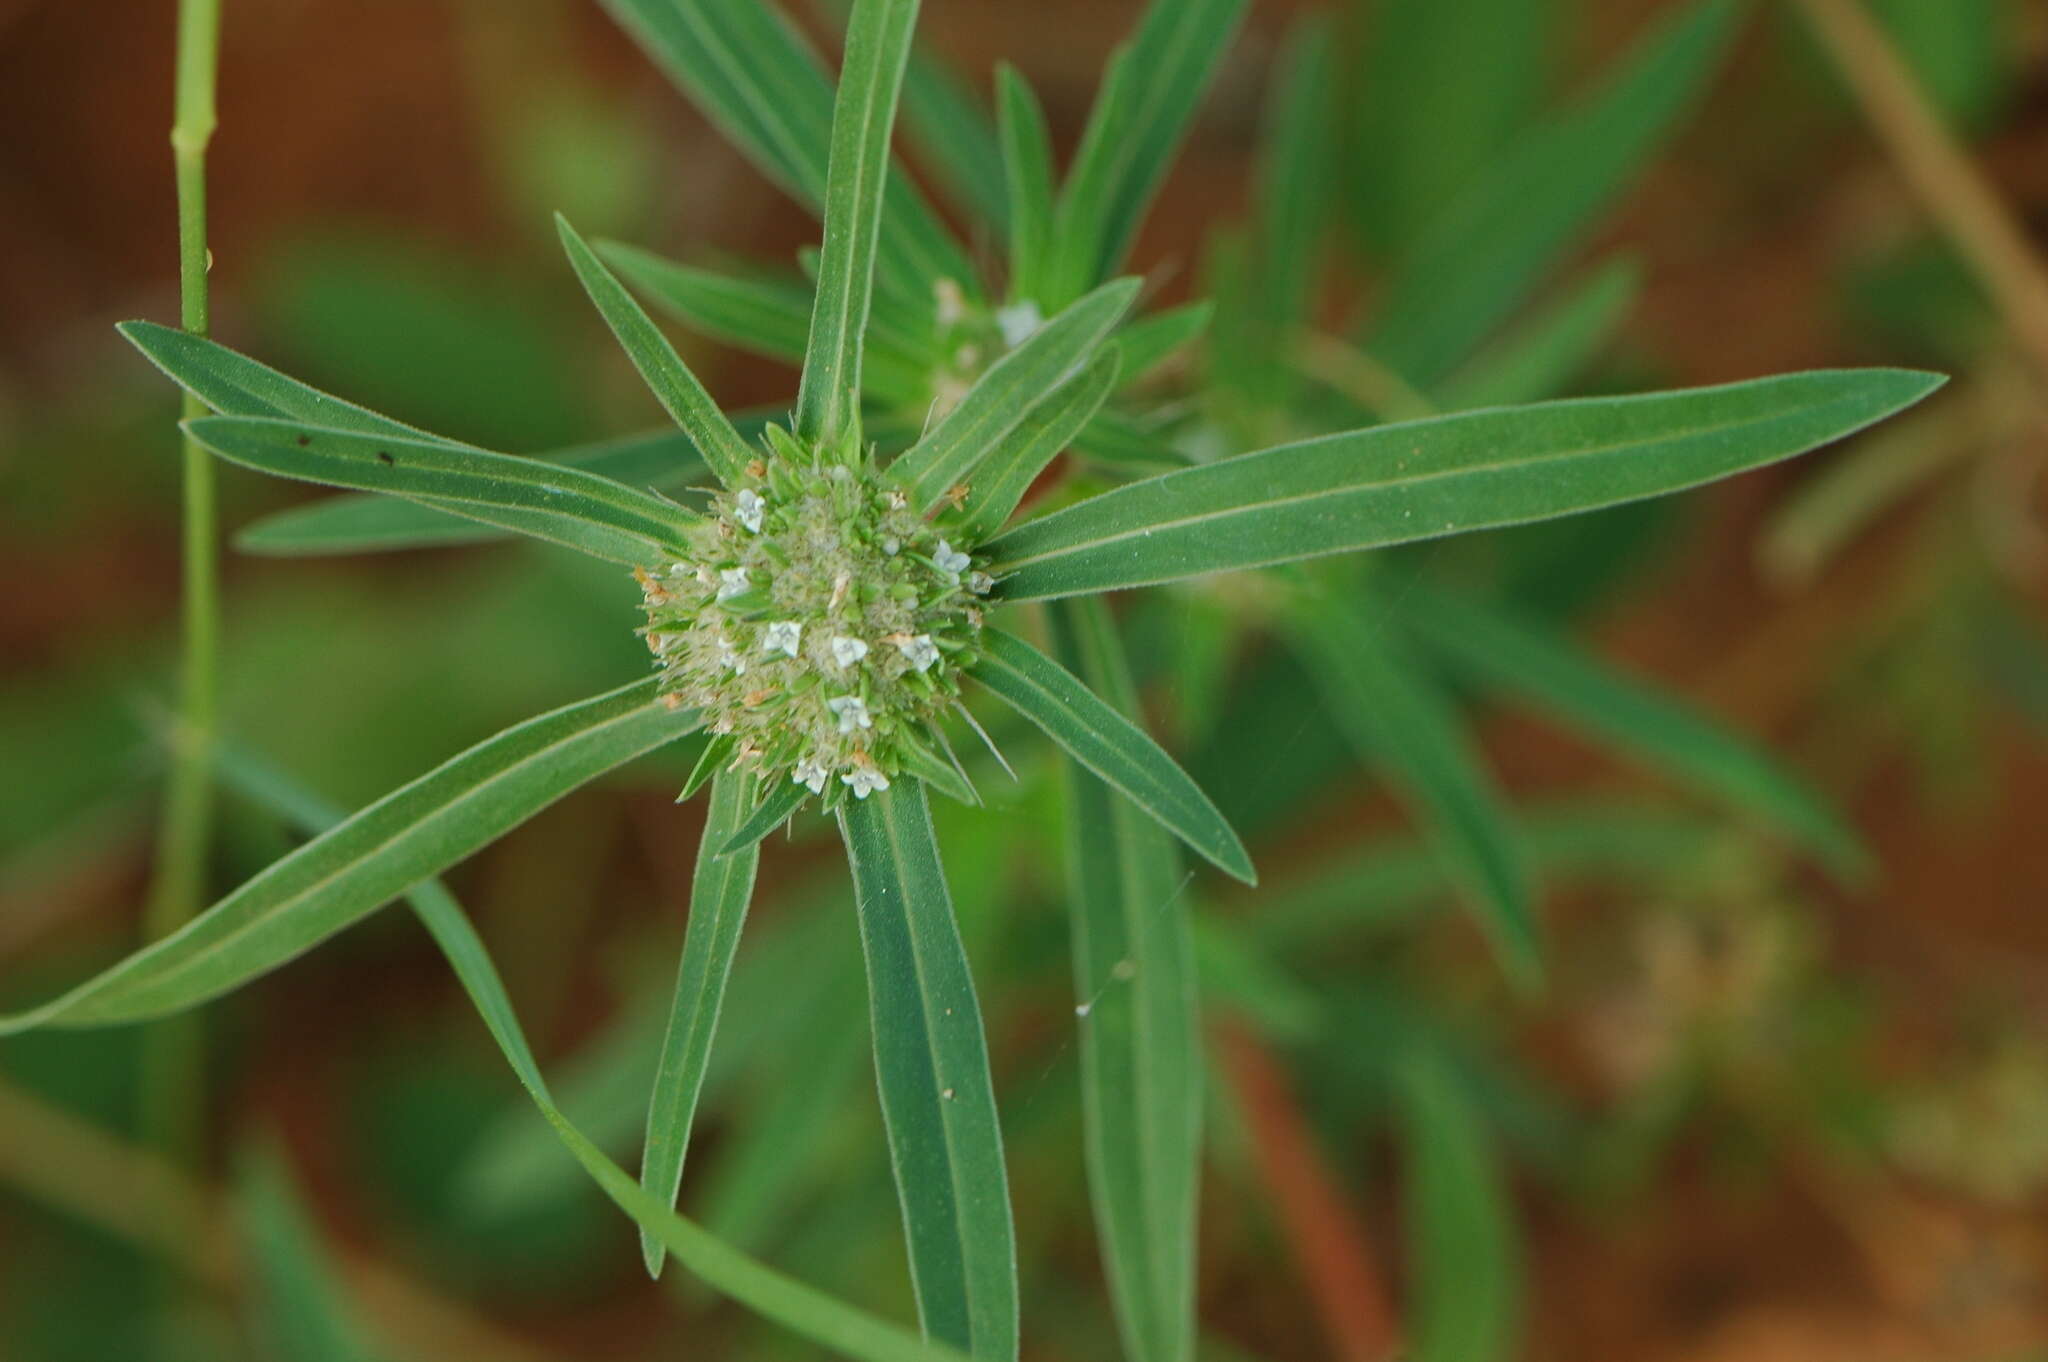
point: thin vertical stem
(171, 1077)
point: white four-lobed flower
(747, 508)
(783, 636)
(851, 711)
(847, 651)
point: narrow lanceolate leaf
(1421, 479)
(364, 863)
(677, 389)
(1006, 474)
(1151, 341)
(1538, 358)
(1147, 97)
(950, 126)
(830, 1323)
(1005, 397)
(1498, 651)
(931, 1063)
(1465, 1304)
(778, 805)
(367, 522)
(235, 385)
(747, 69)
(549, 501)
(1027, 178)
(771, 316)
(301, 1310)
(877, 46)
(718, 909)
(1095, 734)
(1406, 731)
(1141, 1064)
(1497, 239)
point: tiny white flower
(731, 583)
(920, 652)
(892, 546)
(810, 774)
(852, 712)
(746, 508)
(1018, 322)
(980, 583)
(864, 781)
(847, 651)
(950, 560)
(730, 659)
(951, 302)
(783, 636)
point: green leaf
(948, 123)
(1004, 398)
(302, 1312)
(1499, 237)
(1096, 735)
(777, 807)
(563, 505)
(718, 909)
(677, 389)
(235, 385)
(376, 855)
(1141, 1062)
(1150, 341)
(1403, 728)
(1140, 115)
(1443, 89)
(1466, 1301)
(1008, 471)
(771, 316)
(807, 1312)
(931, 1061)
(746, 68)
(1539, 357)
(1027, 179)
(1497, 650)
(1298, 173)
(370, 522)
(1422, 479)
(877, 46)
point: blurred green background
(1758, 1114)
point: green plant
(865, 583)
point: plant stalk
(171, 1077)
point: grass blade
(1422, 479)
(1498, 238)
(1461, 1235)
(1401, 726)
(1004, 398)
(1539, 357)
(304, 1315)
(372, 858)
(1027, 178)
(931, 1063)
(1007, 472)
(719, 892)
(550, 501)
(1498, 651)
(877, 47)
(743, 64)
(1095, 734)
(370, 522)
(677, 389)
(1140, 115)
(1141, 1063)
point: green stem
(171, 1077)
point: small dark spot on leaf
(305, 440)
(385, 457)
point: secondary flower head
(816, 618)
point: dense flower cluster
(819, 620)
